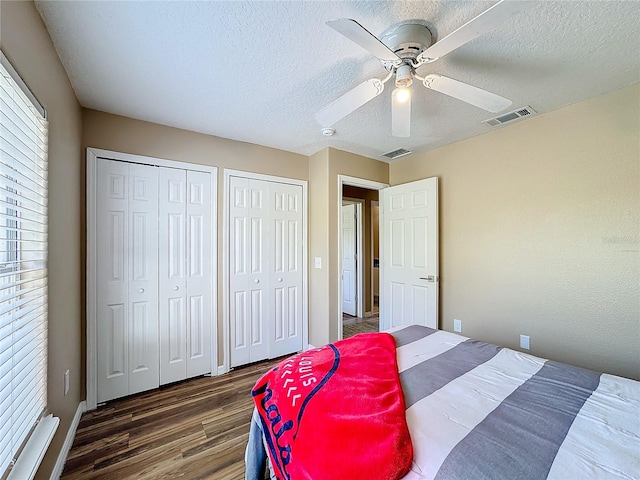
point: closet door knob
(141, 290)
(256, 281)
(176, 288)
(280, 279)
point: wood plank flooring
(197, 429)
(353, 325)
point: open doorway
(360, 260)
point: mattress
(479, 411)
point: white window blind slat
(21, 201)
(24, 200)
(23, 264)
(16, 171)
(15, 306)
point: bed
(479, 411)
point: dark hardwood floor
(197, 429)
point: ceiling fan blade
(360, 35)
(483, 23)
(467, 93)
(349, 102)
(401, 112)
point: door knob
(176, 288)
(256, 281)
(280, 279)
(141, 290)
(430, 278)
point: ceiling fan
(405, 48)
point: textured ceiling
(257, 71)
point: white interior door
(266, 269)
(185, 274)
(249, 275)
(286, 267)
(143, 280)
(149, 226)
(173, 282)
(409, 266)
(199, 288)
(126, 279)
(349, 261)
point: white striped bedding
(476, 411)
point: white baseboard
(68, 441)
(222, 369)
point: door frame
(226, 312)
(359, 212)
(91, 271)
(354, 182)
(377, 204)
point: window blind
(23, 264)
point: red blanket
(336, 412)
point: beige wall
(325, 167)
(319, 247)
(539, 232)
(26, 43)
(127, 135)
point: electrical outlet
(66, 382)
(524, 342)
(457, 325)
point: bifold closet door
(127, 273)
(286, 256)
(265, 269)
(248, 279)
(185, 274)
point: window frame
(26, 429)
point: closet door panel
(198, 211)
(172, 274)
(249, 275)
(112, 265)
(154, 276)
(258, 279)
(286, 269)
(239, 270)
(143, 278)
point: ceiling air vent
(511, 116)
(401, 152)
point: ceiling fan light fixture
(403, 76)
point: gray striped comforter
(478, 411)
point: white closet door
(286, 279)
(143, 278)
(249, 273)
(199, 291)
(173, 298)
(127, 355)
